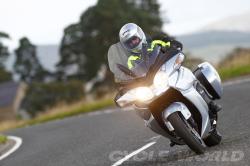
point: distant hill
(239, 22)
(214, 45)
(214, 41)
(208, 38)
(237, 58)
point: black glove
(173, 43)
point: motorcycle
(173, 100)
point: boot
(214, 107)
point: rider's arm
(166, 43)
(115, 57)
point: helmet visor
(133, 42)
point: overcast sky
(42, 21)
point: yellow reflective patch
(159, 42)
(130, 59)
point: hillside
(208, 38)
(236, 64)
(217, 39)
(238, 57)
(238, 22)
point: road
(103, 138)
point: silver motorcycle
(173, 100)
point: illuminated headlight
(143, 93)
(161, 80)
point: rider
(128, 51)
(132, 39)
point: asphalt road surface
(118, 137)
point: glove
(173, 43)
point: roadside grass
(89, 107)
(3, 139)
(229, 73)
(55, 115)
(236, 64)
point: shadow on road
(231, 151)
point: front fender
(176, 107)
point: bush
(238, 57)
(4, 75)
(3, 139)
(40, 96)
(192, 62)
(237, 63)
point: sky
(43, 21)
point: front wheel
(189, 135)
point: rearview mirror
(178, 61)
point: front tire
(182, 130)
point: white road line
(18, 143)
(133, 153)
(109, 111)
(229, 83)
(155, 138)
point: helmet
(132, 37)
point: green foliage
(97, 105)
(4, 35)
(227, 73)
(4, 75)
(27, 65)
(88, 107)
(235, 64)
(85, 44)
(3, 139)
(41, 96)
(191, 62)
(4, 53)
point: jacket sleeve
(115, 56)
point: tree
(85, 44)
(27, 65)
(4, 53)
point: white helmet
(132, 37)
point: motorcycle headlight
(161, 80)
(143, 93)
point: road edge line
(18, 143)
(235, 82)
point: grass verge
(3, 139)
(229, 73)
(83, 108)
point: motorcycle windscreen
(147, 60)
